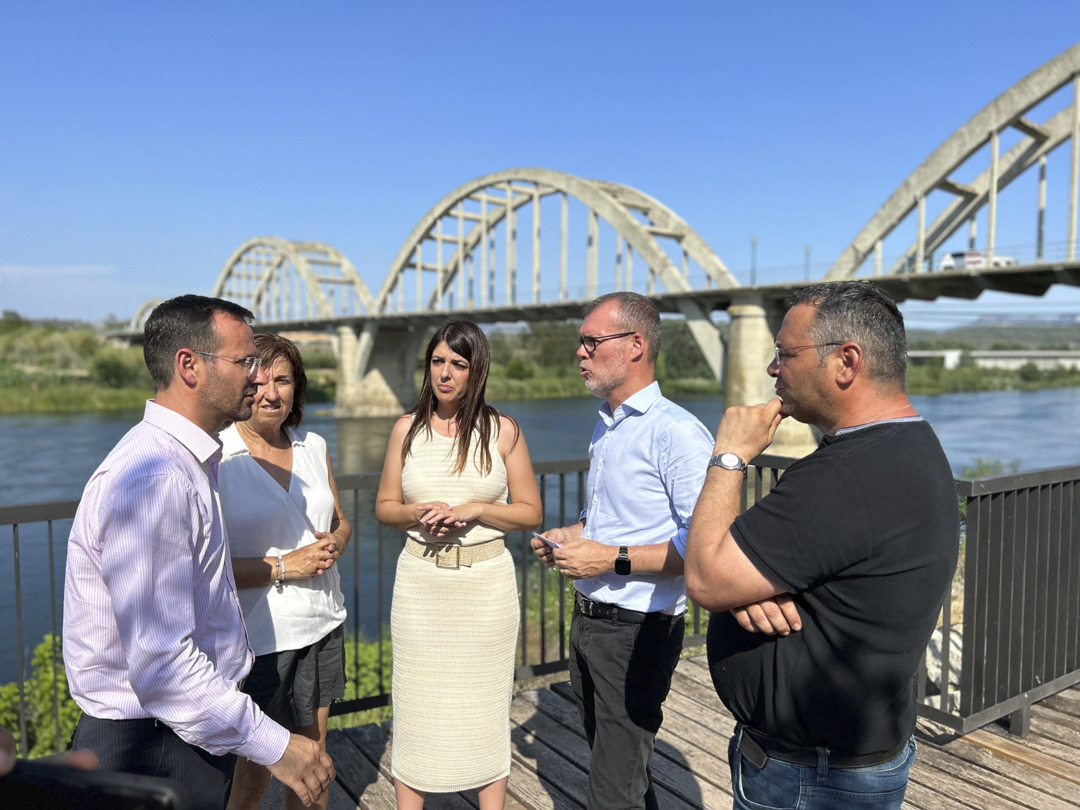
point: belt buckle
(586, 606)
(442, 557)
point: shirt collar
(233, 444)
(639, 402)
(197, 441)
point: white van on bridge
(973, 259)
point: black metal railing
(1018, 639)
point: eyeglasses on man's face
(786, 352)
(249, 364)
(590, 342)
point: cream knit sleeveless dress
(454, 636)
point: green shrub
(40, 689)
(113, 369)
(517, 370)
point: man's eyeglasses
(590, 342)
(249, 364)
(784, 352)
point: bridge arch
(495, 199)
(1009, 110)
(281, 280)
(138, 320)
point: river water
(46, 458)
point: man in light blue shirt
(647, 463)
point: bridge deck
(986, 769)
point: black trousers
(150, 747)
(621, 675)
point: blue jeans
(783, 786)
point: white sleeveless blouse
(263, 520)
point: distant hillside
(999, 336)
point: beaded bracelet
(279, 580)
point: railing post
(1019, 722)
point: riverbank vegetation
(60, 368)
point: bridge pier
(754, 324)
(705, 334)
(375, 370)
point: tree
(10, 320)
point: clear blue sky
(143, 142)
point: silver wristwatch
(728, 461)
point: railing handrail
(995, 514)
(1003, 483)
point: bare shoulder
(402, 425)
(509, 434)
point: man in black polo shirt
(863, 533)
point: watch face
(731, 461)
(622, 562)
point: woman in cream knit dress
(457, 478)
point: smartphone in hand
(550, 543)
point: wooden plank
(1060, 726)
(1006, 792)
(988, 769)
(339, 799)
(965, 793)
(1067, 702)
(697, 669)
(1028, 755)
(557, 701)
(525, 713)
(705, 753)
(969, 755)
(356, 772)
(676, 786)
(376, 742)
(1041, 740)
(925, 798)
(543, 779)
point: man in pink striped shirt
(154, 640)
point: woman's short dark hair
(269, 348)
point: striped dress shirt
(152, 624)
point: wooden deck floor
(986, 769)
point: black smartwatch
(622, 562)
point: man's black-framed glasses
(590, 342)
(784, 352)
(249, 364)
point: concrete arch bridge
(538, 244)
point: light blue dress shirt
(647, 464)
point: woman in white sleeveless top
(286, 532)
(457, 478)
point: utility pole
(753, 260)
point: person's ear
(851, 362)
(185, 364)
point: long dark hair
(475, 417)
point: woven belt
(614, 613)
(454, 555)
(760, 750)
